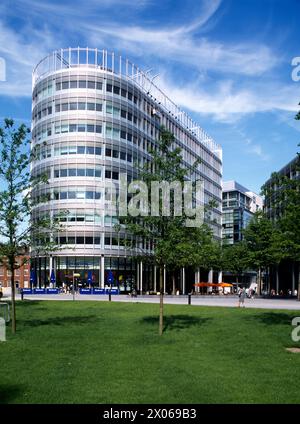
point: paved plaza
(196, 300)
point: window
(91, 84)
(116, 111)
(90, 150)
(80, 150)
(80, 172)
(80, 194)
(107, 152)
(64, 107)
(81, 128)
(122, 155)
(91, 106)
(65, 85)
(109, 88)
(98, 128)
(81, 106)
(99, 107)
(99, 85)
(90, 128)
(123, 134)
(98, 151)
(107, 241)
(80, 240)
(115, 154)
(107, 174)
(80, 218)
(129, 157)
(64, 127)
(72, 172)
(116, 133)
(116, 90)
(108, 131)
(89, 172)
(123, 92)
(123, 113)
(89, 240)
(73, 84)
(63, 172)
(82, 84)
(73, 106)
(115, 175)
(89, 195)
(114, 241)
(72, 195)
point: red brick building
(22, 274)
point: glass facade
(93, 118)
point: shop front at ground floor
(125, 273)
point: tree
(173, 243)
(17, 231)
(186, 247)
(283, 195)
(264, 244)
(236, 258)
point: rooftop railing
(109, 62)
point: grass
(101, 352)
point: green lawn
(101, 352)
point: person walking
(242, 295)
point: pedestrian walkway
(223, 301)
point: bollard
(22, 294)
(109, 296)
(189, 298)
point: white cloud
(226, 103)
(21, 56)
(179, 45)
(223, 99)
(258, 151)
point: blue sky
(228, 63)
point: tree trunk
(173, 279)
(161, 300)
(259, 282)
(13, 301)
(277, 280)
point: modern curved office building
(94, 117)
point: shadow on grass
(271, 318)
(177, 322)
(9, 393)
(36, 304)
(60, 321)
